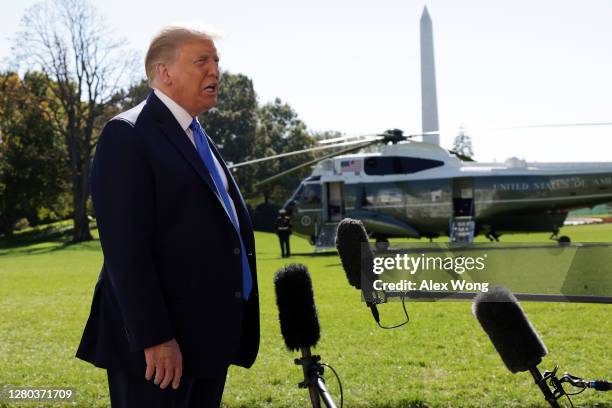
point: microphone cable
(403, 298)
(339, 382)
(557, 384)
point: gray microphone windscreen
(350, 236)
(511, 333)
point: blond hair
(165, 44)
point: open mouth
(212, 88)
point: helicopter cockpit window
(384, 165)
(309, 194)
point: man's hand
(166, 361)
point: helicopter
(411, 189)
(417, 189)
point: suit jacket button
(236, 251)
(238, 295)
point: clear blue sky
(353, 66)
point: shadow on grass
(313, 254)
(316, 254)
(58, 236)
(403, 403)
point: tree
(280, 130)
(83, 67)
(33, 167)
(232, 124)
(463, 144)
(136, 93)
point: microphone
(512, 335)
(300, 328)
(357, 257)
(350, 236)
(297, 312)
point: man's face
(194, 76)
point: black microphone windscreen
(513, 336)
(350, 236)
(297, 312)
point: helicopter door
(463, 197)
(334, 205)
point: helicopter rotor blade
(486, 129)
(378, 135)
(314, 161)
(557, 125)
(461, 157)
(293, 153)
(344, 138)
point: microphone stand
(313, 379)
(559, 391)
(541, 382)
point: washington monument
(429, 100)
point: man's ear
(163, 74)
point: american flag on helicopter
(350, 165)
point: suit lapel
(239, 204)
(173, 132)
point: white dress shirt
(184, 119)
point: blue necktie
(205, 153)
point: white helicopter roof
(408, 149)
(350, 167)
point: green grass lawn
(440, 359)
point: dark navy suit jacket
(172, 262)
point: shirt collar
(181, 115)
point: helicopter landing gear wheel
(564, 240)
(382, 244)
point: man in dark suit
(176, 301)
(283, 230)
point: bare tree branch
(69, 41)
